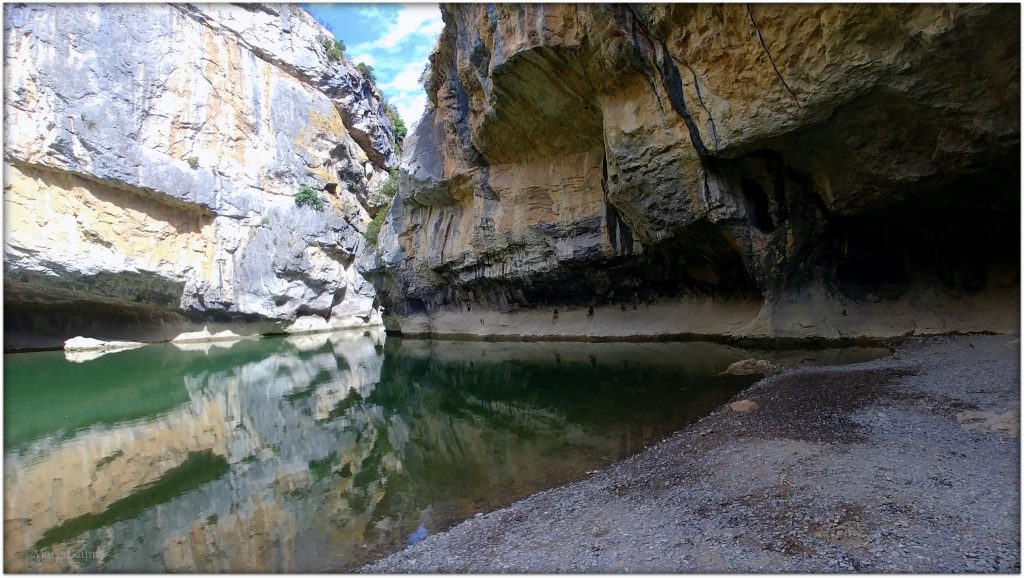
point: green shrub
(397, 122)
(373, 229)
(386, 192)
(322, 468)
(193, 162)
(390, 188)
(335, 48)
(367, 71)
(307, 197)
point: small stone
(743, 405)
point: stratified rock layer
(623, 171)
(152, 156)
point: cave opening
(961, 241)
(758, 207)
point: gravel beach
(910, 463)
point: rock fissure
(676, 93)
(673, 82)
(700, 100)
(764, 45)
(619, 233)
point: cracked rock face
(814, 170)
(152, 158)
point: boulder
(80, 343)
(743, 405)
(751, 367)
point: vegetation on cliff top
(335, 48)
(367, 71)
(389, 109)
(336, 51)
(399, 124)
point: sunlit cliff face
(153, 154)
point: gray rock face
(825, 170)
(153, 154)
(287, 37)
(363, 112)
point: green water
(317, 453)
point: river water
(318, 452)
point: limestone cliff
(752, 170)
(151, 162)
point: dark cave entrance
(758, 207)
(960, 241)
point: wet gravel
(909, 463)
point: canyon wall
(743, 170)
(151, 161)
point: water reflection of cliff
(316, 452)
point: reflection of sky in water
(418, 535)
(318, 452)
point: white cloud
(410, 106)
(371, 11)
(406, 80)
(413, 19)
(399, 52)
(364, 57)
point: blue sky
(395, 39)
